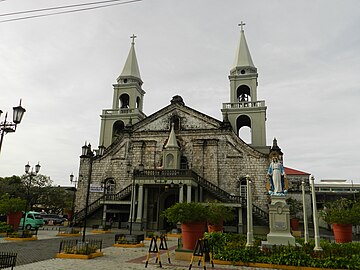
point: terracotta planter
(342, 233)
(13, 219)
(190, 233)
(294, 223)
(215, 228)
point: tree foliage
(37, 191)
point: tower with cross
(244, 109)
(128, 100)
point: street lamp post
(8, 127)
(132, 195)
(87, 153)
(72, 181)
(30, 174)
(132, 202)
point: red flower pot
(13, 219)
(215, 228)
(294, 223)
(190, 233)
(342, 233)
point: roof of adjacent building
(290, 171)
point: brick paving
(46, 247)
(40, 255)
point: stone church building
(176, 154)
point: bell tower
(128, 98)
(244, 108)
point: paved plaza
(40, 255)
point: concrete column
(188, 194)
(132, 204)
(250, 234)
(104, 215)
(181, 193)
(146, 197)
(196, 194)
(315, 217)
(240, 221)
(306, 228)
(140, 203)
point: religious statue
(276, 175)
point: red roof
(290, 171)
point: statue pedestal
(279, 221)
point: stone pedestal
(279, 223)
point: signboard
(96, 188)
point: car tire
(28, 227)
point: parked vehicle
(33, 220)
(52, 219)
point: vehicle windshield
(38, 216)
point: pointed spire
(131, 67)
(172, 142)
(275, 147)
(243, 57)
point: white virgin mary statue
(276, 175)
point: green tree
(10, 185)
(9, 204)
(34, 188)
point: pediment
(189, 119)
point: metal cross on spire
(241, 24)
(133, 39)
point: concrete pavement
(40, 255)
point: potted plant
(342, 214)
(217, 215)
(192, 217)
(295, 208)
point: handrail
(215, 190)
(96, 204)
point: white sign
(95, 188)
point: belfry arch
(243, 93)
(243, 124)
(124, 101)
(117, 128)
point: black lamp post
(8, 127)
(87, 153)
(30, 174)
(72, 181)
(132, 210)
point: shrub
(186, 213)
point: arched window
(117, 128)
(176, 120)
(184, 163)
(243, 188)
(124, 101)
(243, 93)
(138, 102)
(243, 125)
(109, 186)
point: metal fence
(79, 247)
(7, 260)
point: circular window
(242, 71)
(125, 80)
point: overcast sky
(63, 67)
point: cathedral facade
(145, 164)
